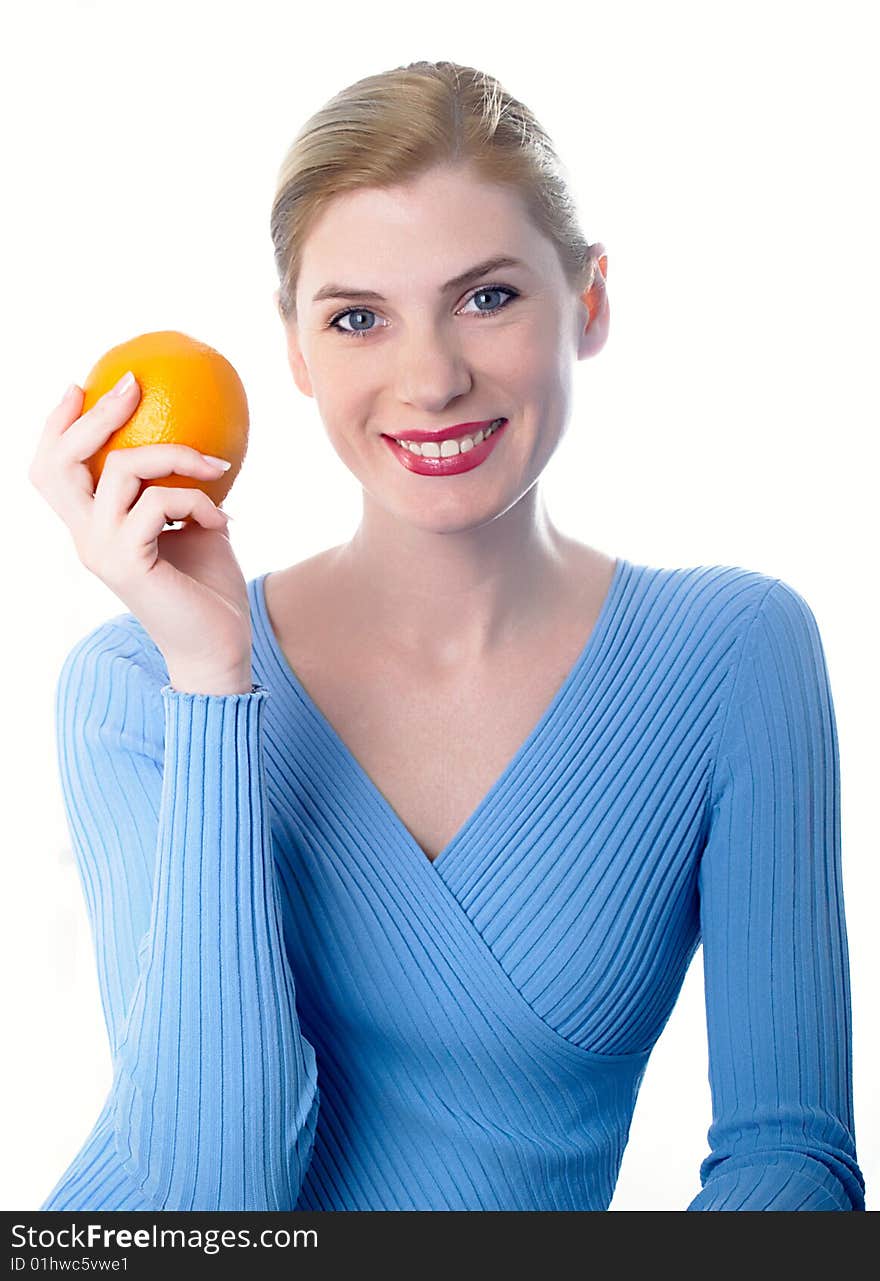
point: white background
(725, 154)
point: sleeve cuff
(169, 690)
(788, 1183)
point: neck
(444, 598)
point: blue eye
(493, 289)
(343, 315)
(333, 323)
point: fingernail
(126, 381)
(71, 389)
(217, 462)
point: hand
(185, 586)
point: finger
(116, 554)
(69, 439)
(124, 469)
(65, 412)
(159, 505)
(59, 419)
(83, 438)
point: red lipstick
(446, 433)
(455, 463)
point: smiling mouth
(441, 458)
(454, 445)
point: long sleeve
(214, 1096)
(774, 937)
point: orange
(190, 395)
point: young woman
(396, 859)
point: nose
(432, 370)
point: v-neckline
(336, 741)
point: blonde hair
(390, 127)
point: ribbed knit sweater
(305, 1012)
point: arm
(214, 1097)
(774, 933)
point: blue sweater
(305, 1012)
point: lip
(446, 466)
(446, 433)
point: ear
(294, 352)
(594, 307)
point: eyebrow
(481, 269)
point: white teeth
(449, 448)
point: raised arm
(214, 1098)
(774, 933)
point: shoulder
(722, 604)
(726, 591)
(121, 641)
(113, 676)
(703, 624)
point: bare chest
(433, 746)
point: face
(403, 349)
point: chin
(453, 517)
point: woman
(396, 859)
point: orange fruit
(190, 395)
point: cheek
(530, 361)
(344, 408)
(349, 447)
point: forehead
(425, 229)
